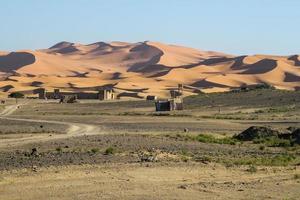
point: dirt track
(74, 130)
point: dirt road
(74, 129)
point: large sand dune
(139, 69)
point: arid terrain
(141, 69)
(123, 149)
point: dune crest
(140, 69)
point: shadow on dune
(64, 48)
(207, 84)
(116, 76)
(78, 74)
(149, 52)
(295, 58)
(92, 88)
(208, 62)
(106, 48)
(289, 77)
(134, 90)
(162, 72)
(36, 84)
(10, 79)
(260, 67)
(67, 50)
(15, 61)
(61, 45)
(6, 88)
(128, 94)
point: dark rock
(257, 132)
(147, 158)
(182, 187)
(296, 136)
(34, 168)
(292, 128)
(34, 152)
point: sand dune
(140, 69)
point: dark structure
(68, 99)
(178, 92)
(162, 106)
(169, 105)
(175, 103)
(151, 98)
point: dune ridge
(140, 69)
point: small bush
(17, 95)
(252, 169)
(262, 147)
(282, 160)
(273, 142)
(59, 149)
(185, 152)
(110, 151)
(184, 158)
(211, 139)
(278, 160)
(297, 176)
(95, 150)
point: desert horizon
(149, 100)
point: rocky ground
(124, 150)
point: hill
(143, 68)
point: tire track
(73, 130)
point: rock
(34, 152)
(292, 128)
(182, 187)
(34, 168)
(257, 132)
(148, 158)
(296, 136)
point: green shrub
(95, 150)
(297, 176)
(211, 139)
(110, 151)
(252, 169)
(262, 147)
(278, 160)
(17, 95)
(273, 142)
(58, 149)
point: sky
(231, 26)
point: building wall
(102, 95)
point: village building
(151, 98)
(174, 103)
(169, 105)
(103, 94)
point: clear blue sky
(231, 26)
